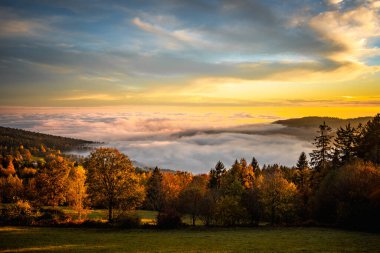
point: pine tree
(322, 154)
(216, 175)
(154, 194)
(255, 164)
(302, 162)
(345, 144)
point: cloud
(169, 140)
(173, 38)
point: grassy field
(26, 239)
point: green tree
(112, 179)
(154, 193)
(279, 198)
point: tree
(321, 155)
(154, 193)
(278, 197)
(76, 193)
(51, 182)
(303, 182)
(251, 202)
(369, 143)
(255, 165)
(190, 199)
(302, 162)
(345, 144)
(10, 170)
(216, 175)
(11, 189)
(112, 179)
(346, 196)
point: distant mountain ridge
(314, 121)
(12, 137)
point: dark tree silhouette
(369, 144)
(255, 164)
(302, 162)
(322, 154)
(345, 144)
(154, 194)
(216, 175)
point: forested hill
(11, 137)
(314, 122)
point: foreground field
(25, 239)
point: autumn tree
(112, 179)
(76, 193)
(11, 189)
(172, 185)
(51, 182)
(279, 198)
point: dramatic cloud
(74, 54)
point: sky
(120, 69)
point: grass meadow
(45, 239)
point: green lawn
(26, 239)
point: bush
(94, 224)
(20, 213)
(52, 216)
(128, 220)
(169, 219)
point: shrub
(52, 216)
(169, 219)
(19, 213)
(128, 220)
(94, 224)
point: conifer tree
(322, 154)
(216, 175)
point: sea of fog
(173, 141)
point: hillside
(12, 137)
(314, 122)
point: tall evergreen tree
(154, 194)
(302, 162)
(216, 175)
(345, 144)
(322, 154)
(255, 164)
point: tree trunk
(110, 211)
